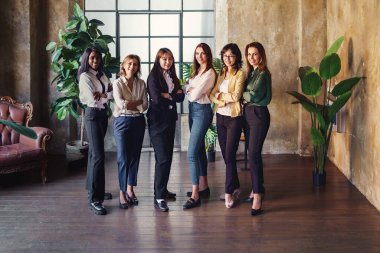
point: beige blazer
(235, 91)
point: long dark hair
(263, 63)
(157, 70)
(236, 51)
(196, 65)
(131, 57)
(84, 67)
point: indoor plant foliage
(66, 55)
(323, 100)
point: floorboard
(297, 217)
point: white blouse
(202, 85)
(123, 94)
(225, 110)
(88, 84)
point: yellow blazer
(235, 91)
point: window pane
(189, 45)
(134, 25)
(198, 5)
(198, 24)
(157, 43)
(112, 48)
(109, 20)
(137, 46)
(100, 5)
(133, 5)
(165, 4)
(164, 25)
(144, 71)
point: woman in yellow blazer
(226, 95)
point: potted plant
(79, 34)
(211, 134)
(322, 99)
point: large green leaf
(83, 26)
(217, 63)
(61, 113)
(303, 71)
(51, 45)
(56, 55)
(85, 36)
(72, 24)
(96, 22)
(79, 42)
(107, 38)
(344, 86)
(311, 84)
(338, 104)
(330, 66)
(186, 71)
(335, 46)
(19, 128)
(101, 44)
(316, 137)
(78, 11)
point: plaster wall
(15, 49)
(356, 151)
(291, 37)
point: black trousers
(257, 121)
(162, 137)
(229, 131)
(96, 122)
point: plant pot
(211, 156)
(76, 154)
(319, 179)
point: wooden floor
(297, 218)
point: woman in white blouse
(94, 91)
(201, 83)
(129, 126)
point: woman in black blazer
(164, 92)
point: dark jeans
(129, 135)
(229, 131)
(200, 117)
(257, 121)
(162, 137)
(95, 121)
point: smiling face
(229, 58)
(200, 56)
(94, 60)
(253, 57)
(166, 61)
(130, 66)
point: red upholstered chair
(18, 152)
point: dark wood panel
(297, 218)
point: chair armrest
(43, 135)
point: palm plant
(323, 100)
(79, 34)
(19, 128)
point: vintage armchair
(18, 152)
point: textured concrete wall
(291, 38)
(15, 49)
(356, 151)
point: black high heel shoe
(255, 212)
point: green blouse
(258, 88)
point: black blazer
(162, 109)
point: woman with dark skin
(94, 91)
(164, 92)
(256, 97)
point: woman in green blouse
(257, 95)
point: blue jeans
(129, 135)
(200, 118)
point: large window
(143, 26)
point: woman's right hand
(167, 96)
